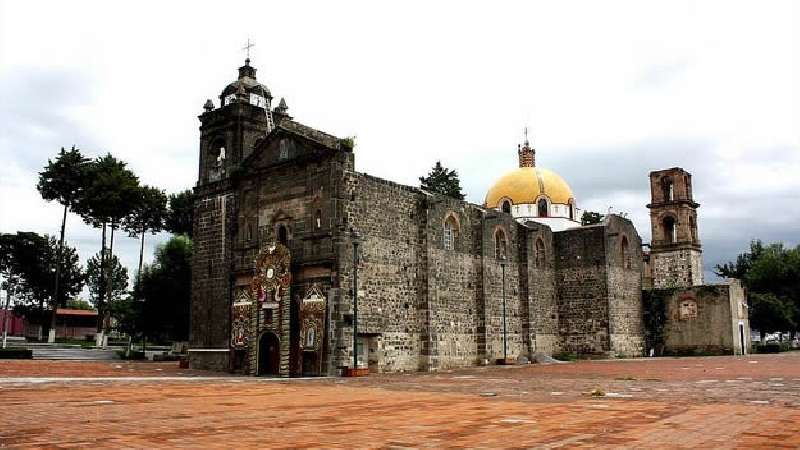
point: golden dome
(526, 184)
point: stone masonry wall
(387, 216)
(582, 290)
(541, 298)
(493, 290)
(624, 288)
(451, 317)
(211, 295)
(677, 268)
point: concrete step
(75, 354)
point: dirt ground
(720, 402)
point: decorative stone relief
(688, 308)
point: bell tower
(229, 133)
(675, 252)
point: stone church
(285, 226)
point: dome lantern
(527, 154)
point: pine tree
(63, 180)
(148, 214)
(441, 180)
(181, 213)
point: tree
(126, 313)
(79, 303)
(64, 181)
(148, 214)
(771, 274)
(441, 180)
(110, 195)
(181, 213)
(96, 276)
(591, 218)
(743, 263)
(164, 288)
(31, 259)
(770, 313)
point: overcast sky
(610, 91)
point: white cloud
(610, 90)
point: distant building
(76, 323)
(70, 323)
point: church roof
(525, 185)
(328, 140)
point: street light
(505, 333)
(5, 309)
(356, 240)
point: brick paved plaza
(688, 402)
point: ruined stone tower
(675, 252)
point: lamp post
(356, 240)
(5, 309)
(56, 271)
(503, 289)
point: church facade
(285, 227)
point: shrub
(16, 353)
(772, 347)
(566, 356)
(133, 355)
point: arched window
(500, 246)
(318, 219)
(541, 257)
(571, 211)
(625, 253)
(449, 235)
(693, 228)
(215, 161)
(506, 206)
(541, 206)
(668, 188)
(283, 235)
(670, 230)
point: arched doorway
(269, 354)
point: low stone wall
(209, 359)
(696, 320)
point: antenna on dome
(526, 136)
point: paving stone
(178, 408)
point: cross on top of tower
(247, 48)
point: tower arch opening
(668, 189)
(670, 230)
